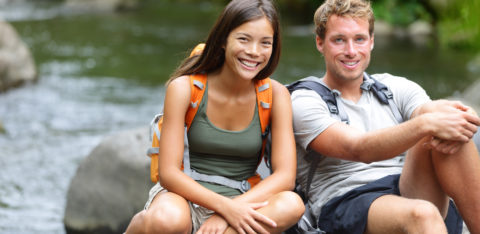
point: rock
(110, 185)
(16, 62)
(101, 5)
(420, 32)
(383, 28)
(474, 65)
(420, 28)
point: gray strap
(395, 111)
(186, 156)
(194, 104)
(263, 87)
(265, 105)
(154, 126)
(198, 84)
(153, 150)
(341, 110)
(243, 185)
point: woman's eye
(267, 43)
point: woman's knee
(137, 224)
(168, 216)
(288, 203)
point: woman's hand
(215, 224)
(244, 218)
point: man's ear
(373, 42)
(319, 44)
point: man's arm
(446, 120)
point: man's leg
(395, 214)
(434, 176)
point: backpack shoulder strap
(382, 93)
(263, 89)
(198, 83)
(329, 96)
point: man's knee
(424, 215)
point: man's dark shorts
(348, 213)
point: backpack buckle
(388, 93)
(244, 186)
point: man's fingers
(472, 118)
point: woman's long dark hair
(236, 13)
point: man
(363, 180)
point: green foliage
(459, 25)
(298, 11)
(400, 12)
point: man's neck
(350, 89)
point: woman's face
(249, 47)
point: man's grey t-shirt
(334, 177)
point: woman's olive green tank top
(215, 151)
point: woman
(242, 47)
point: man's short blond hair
(353, 8)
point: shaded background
(101, 72)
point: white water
(51, 126)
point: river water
(100, 73)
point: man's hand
(451, 112)
(450, 120)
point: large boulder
(16, 62)
(110, 185)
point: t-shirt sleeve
(310, 116)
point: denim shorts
(348, 213)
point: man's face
(346, 47)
